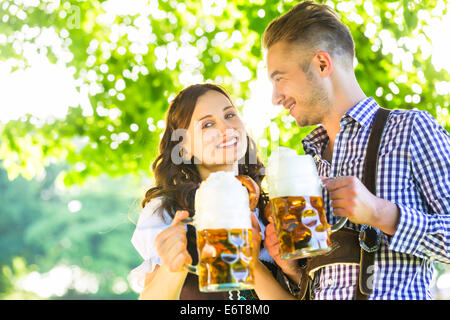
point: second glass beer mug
(296, 205)
(224, 235)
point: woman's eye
(207, 125)
(230, 115)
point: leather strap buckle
(370, 235)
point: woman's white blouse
(152, 220)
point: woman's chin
(225, 156)
(232, 156)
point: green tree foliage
(40, 230)
(132, 63)
(10, 278)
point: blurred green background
(84, 86)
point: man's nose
(277, 98)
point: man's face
(302, 93)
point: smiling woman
(213, 139)
(216, 135)
(203, 134)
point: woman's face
(216, 134)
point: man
(310, 57)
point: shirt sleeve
(152, 220)
(427, 234)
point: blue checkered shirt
(413, 171)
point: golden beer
(224, 232)
(301, 226)
(225, 259)
(296, 205)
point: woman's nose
(225, 128)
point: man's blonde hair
(314, 27)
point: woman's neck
(205, 171)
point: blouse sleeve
(152, 220)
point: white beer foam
(290, 175)
(221, 202)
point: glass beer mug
(223, 205)
(296, 205)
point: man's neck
(327, 154)
(345, 99)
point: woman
(213, 138)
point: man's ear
(323, 63)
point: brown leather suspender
(369, 237)
(348, 245)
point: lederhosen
(350, 246)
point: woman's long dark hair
(177, 183)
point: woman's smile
(229, 143)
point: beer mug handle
(341, 222)
(338, 225)
(187, 266)
(191, 268)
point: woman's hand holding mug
(171, 244)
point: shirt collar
(363, 113)
(316, 141)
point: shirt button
(330, 282)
